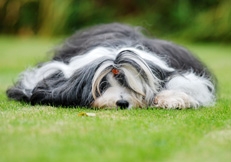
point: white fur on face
(111, 96)
(117, 92)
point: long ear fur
(74, 91)
(60, 91)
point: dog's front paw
(170, 99)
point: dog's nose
(123, 104)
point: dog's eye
(104, 85)
(121, 79)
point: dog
(116, 66)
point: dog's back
(118, 35)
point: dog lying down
(115, 66)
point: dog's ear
(42, 93)
(57, 90)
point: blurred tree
(208, 20)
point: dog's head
(127, 80)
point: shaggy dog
(114, 65)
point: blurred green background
(36, 133)
(195, 20)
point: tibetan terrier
(115, 66)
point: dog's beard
(133, 83)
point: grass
(43, 133)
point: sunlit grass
(43, 133)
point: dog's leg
(186, 91)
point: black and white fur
(149, 73)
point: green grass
(43, 133)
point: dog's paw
(170, 99)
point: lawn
(43, 133)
